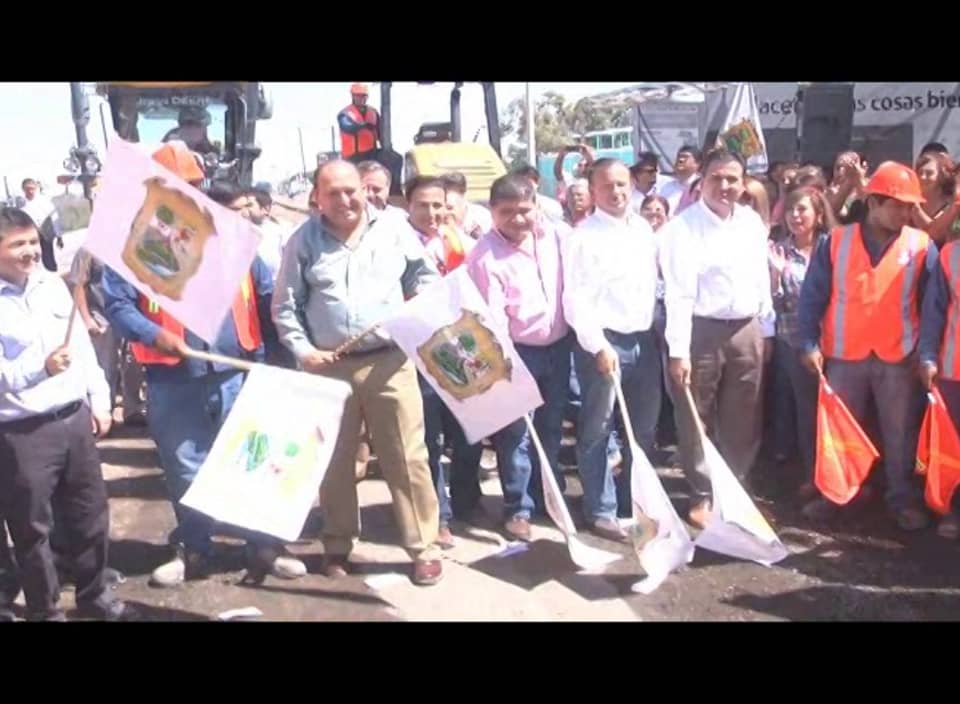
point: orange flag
(938, 454)
(845, 454)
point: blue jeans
(796, 407)
(573, 393)
(639, 359)
(442, 428)
(517, 459)
(184, 419)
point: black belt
(732, 322)
(41, 418)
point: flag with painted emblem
(177, 247)
(269, 458)
(455, 342)
(741, 131)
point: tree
(557, 123)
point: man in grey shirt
(342, 274)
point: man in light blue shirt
(54, 399)
(342, 274)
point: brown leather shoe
(336, 566)
(445, 538)
(426, 573)
(518, 528)
(609, 529)
(700, 513)
(949, 527)
(807, 492)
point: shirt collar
(538, 234)
(35, 279)
(714, 219)
(606, 218)
(372, 217)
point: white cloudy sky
(36, 131)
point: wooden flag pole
(354, 341)
(242, 364)
(631, 438)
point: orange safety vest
(873, 309)
(365, 139)
(949, 364)
(245, 319)
(453, 253)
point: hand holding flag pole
(246, 365)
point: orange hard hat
(895, 180)
(178, 158)
(359, 89)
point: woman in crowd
(938, 181)
(656, 211)
(755, 196)
(846, 186)
(808, 217)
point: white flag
(449, 333)
(582, 555)
(736, 527)
(269, 458)
(741, 131)
(172, 243)
(660, 538)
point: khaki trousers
(727, 371)
(387, 398)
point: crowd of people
(713, 291)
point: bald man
(343, 272)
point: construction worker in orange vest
(188, 399)
(448, 247)
(359, 126)
(860, 311)
(939, 350)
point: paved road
(860, 569)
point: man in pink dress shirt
(518, 270)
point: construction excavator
(216, 119)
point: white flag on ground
(741, 131)
(449, 333)
(269, 458)
(735, 527)
(660, 538)
(583, 555)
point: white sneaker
(488, 460)
(287, 567)
(170, 574)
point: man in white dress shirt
(685, 169)
(610, 276)
(720, 320)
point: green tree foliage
(557, 122)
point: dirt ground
(861, 568)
